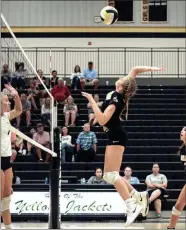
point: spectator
(128, 176)
(98, 178)
(90, 77)
(33, 94)
(6, 76)
(156, 185)
(91, 115)
(17, 143)
(70, 111)
(67, 146)
(54, 79)
(86, 144)
(60, 92)
(42, 90)
(15, 179)
(29, 145)
(43, 138)
(14, 152)
(45, 111)
(26, 107)
(19, 76)
(75, 78)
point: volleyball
(109, 15)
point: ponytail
(129, 90)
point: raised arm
(18, 105)
(142, 69)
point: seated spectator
(70, 111)
(19, 76)
(67, 146)
(14, 152)
(54, 79)
(89, 77)
(15, 179)
(43, 138)
(60, 92)
(128, 176)
(26, 107)
(6, 76)
(17, 143)
(29, 145)
(33, 94)
(98, 178)
(42, 90)
(86, 144)
(75, 78)
(91, 115)
(46, 111)
(156, 185)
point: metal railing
(109, 62)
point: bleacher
(156, 117)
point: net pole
(55, 185)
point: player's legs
(113, 160)
(2, 183)
(6, 198)
(177, 209)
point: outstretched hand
(88, 96)
(12, 91)
(157, 69)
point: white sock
(129, 201)
(134, 193)
(8, 226)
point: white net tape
(12, 52)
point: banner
(70, 203)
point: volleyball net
(15, 57)
(18, 65)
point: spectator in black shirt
(54, 79)
(6, 76)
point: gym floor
(97, 225)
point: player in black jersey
(181, 202)
(110, 118)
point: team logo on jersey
(115, 99)
(109, 95)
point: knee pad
(111, 177)
(5, 204)
(175, 212)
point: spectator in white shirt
(75, 78)
(91, 116)
(67, 146)
(70, 111)
(46, 111)
(156, 186)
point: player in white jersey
(6, 151)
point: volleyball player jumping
(109, 118)
(181, 202)
(6, 152)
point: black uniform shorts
(117, 136)
(5, 163)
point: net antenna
(12, 52)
